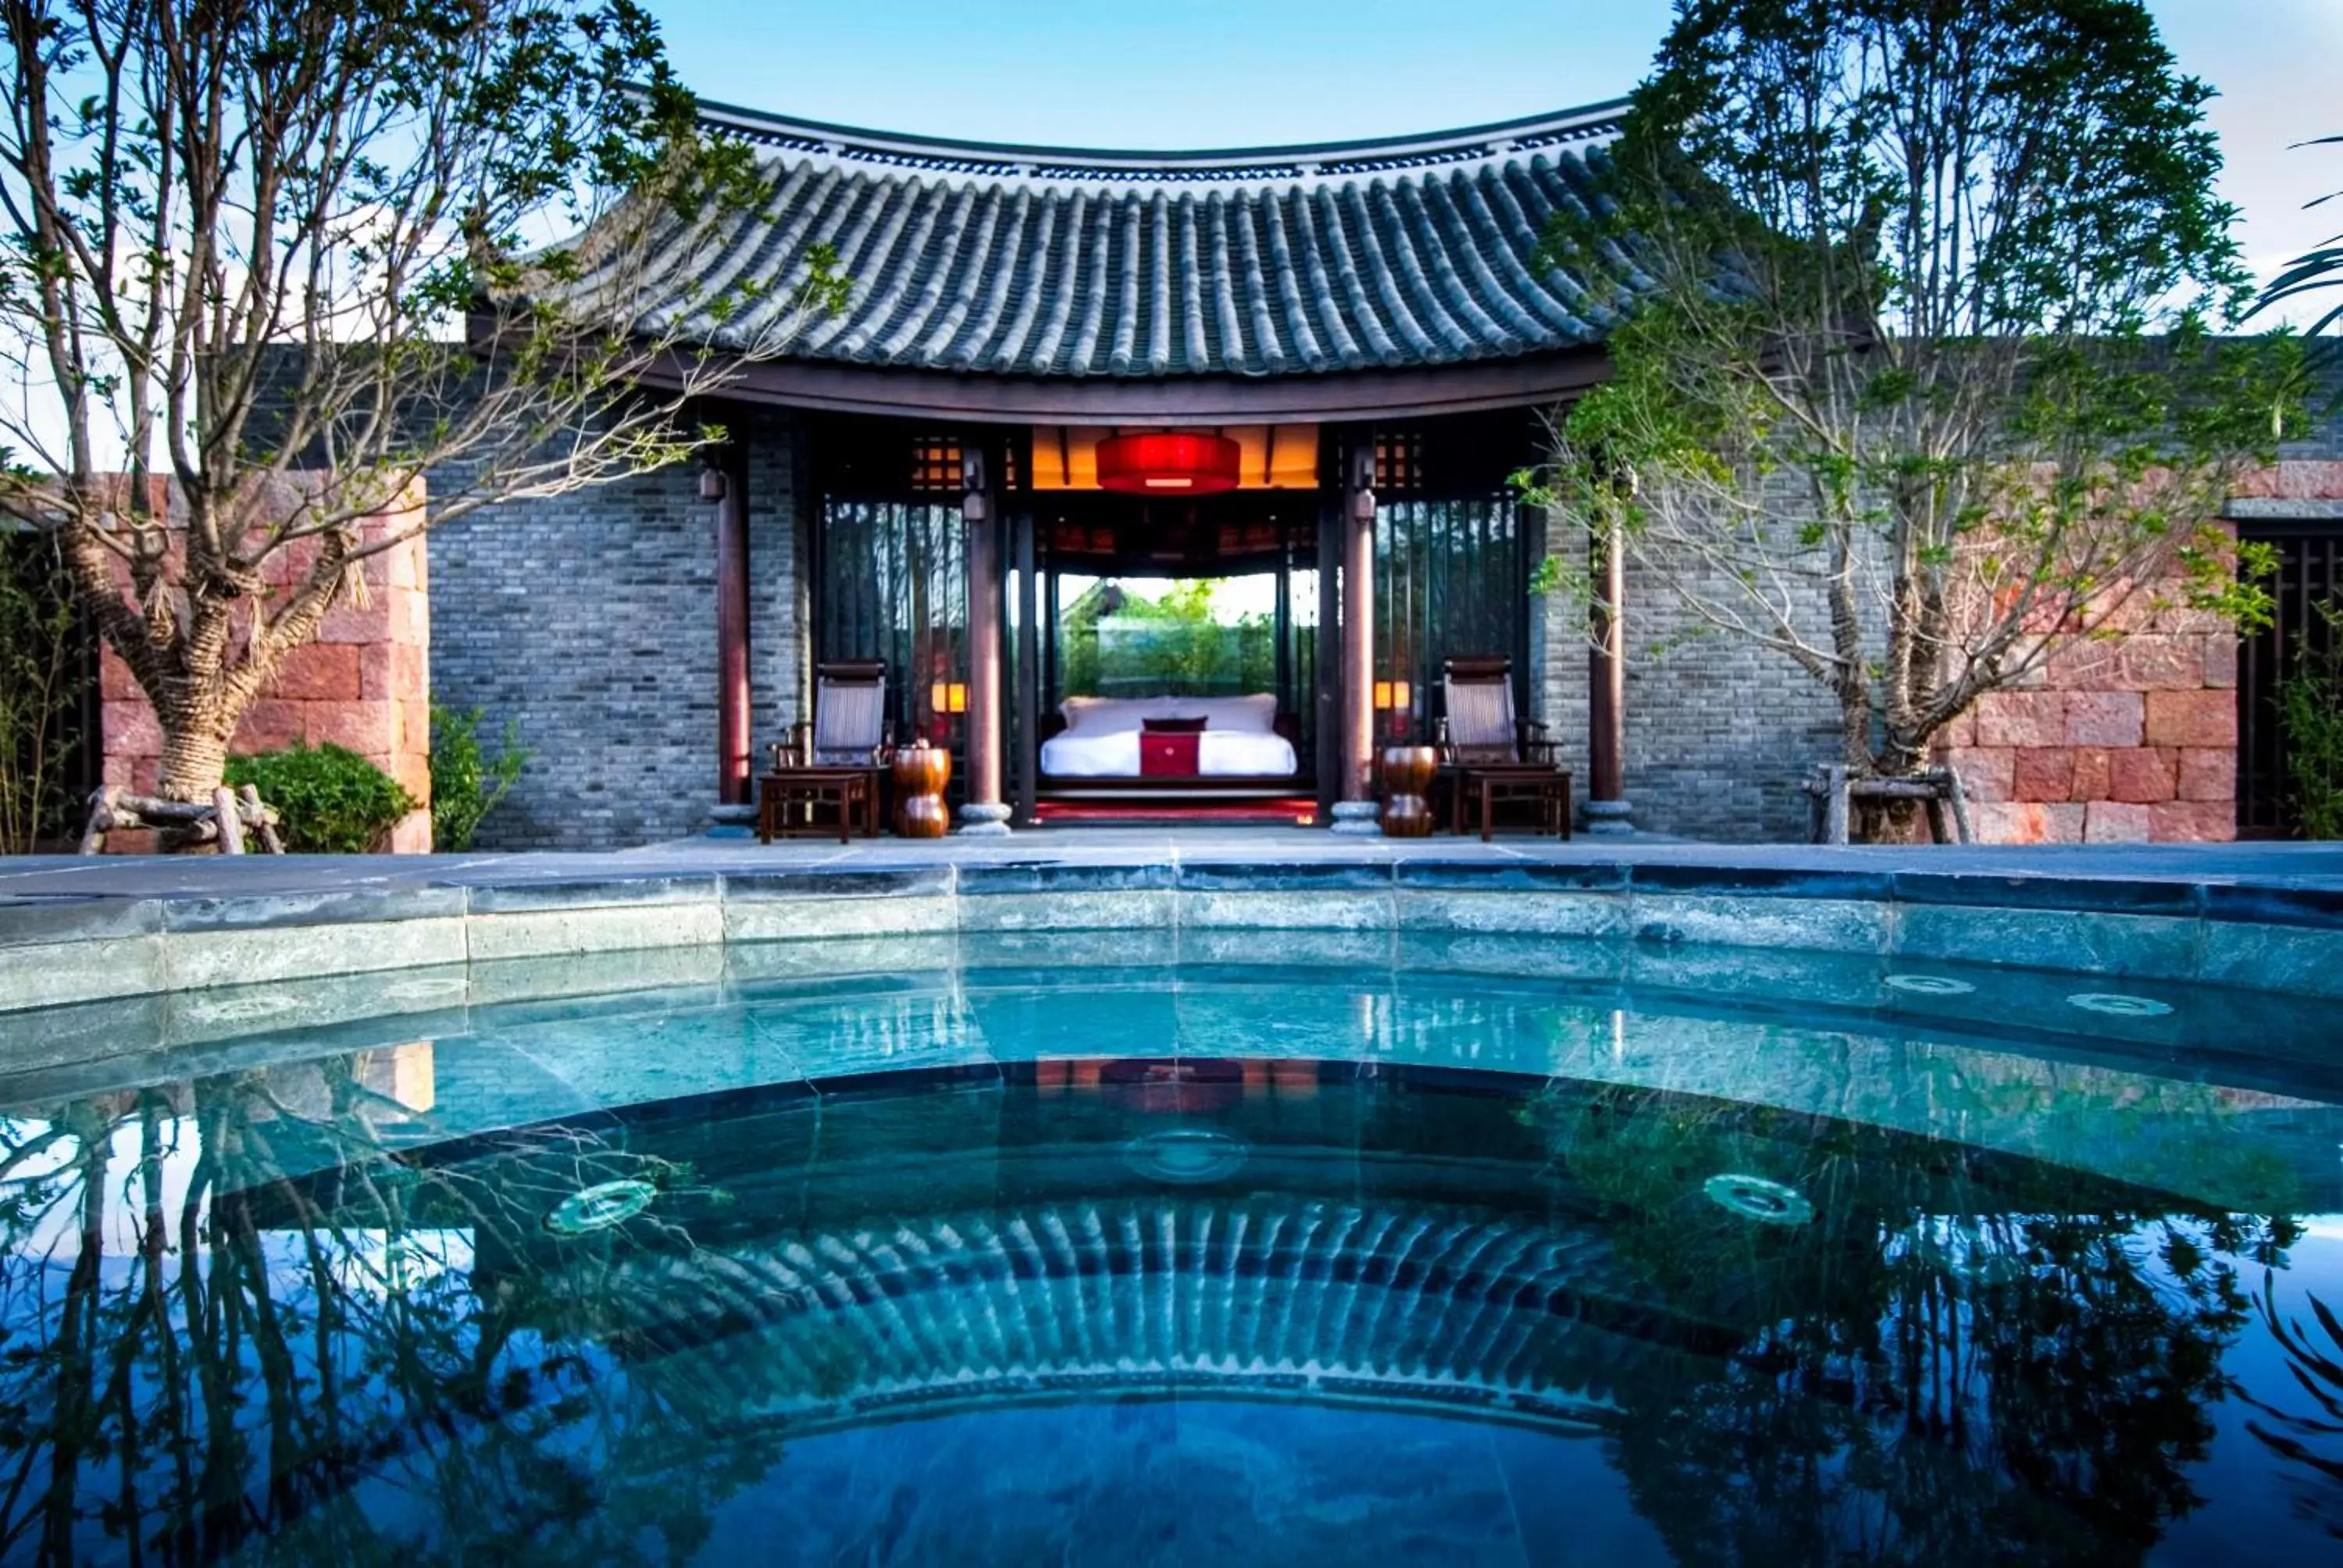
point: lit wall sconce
(947, 696)
(1394, 694)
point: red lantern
(1169, 463)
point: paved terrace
(2305, 867)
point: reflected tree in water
(2309, 1440)
(1959, 1357)
(373, 1363)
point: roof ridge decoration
(1589, 123)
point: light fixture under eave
(1165, 462)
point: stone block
(52, 974)
(1827, 925)
(1556, 914)
(411, 834)
(2220, 659)
(2146, 661)
(251, 956)
(2091, 768)
(1108, 910)
(1959, 731)
(2042, 773)
(320, 672)
(1338, 910)
(409, 618)
(131, 730)
(2026, 822)
(2274, 958)
(2127, 606)
(2081, 664)
(412, 773)
(115, 681)
(2114, 823)
(1986, 771)
(2189, 621)
(610, 929)
(2193, 822)
(2207, 773)
(347, 622)
(361, 726)
(2141, 774)
(2080, 942)
(415, 728)
(270, 724)
(2192, 718)
(393, 672)
(787, 918)
(2021, 719)
(2103, 719)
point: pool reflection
(927, 1317)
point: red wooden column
(1606, 687)
(732, 759)
(1354, 813)
(985, 815)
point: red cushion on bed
(1168, 756)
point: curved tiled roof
(1394, 1303)
(980, 258)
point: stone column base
(1605, 819)
(1358, 820)
(728, 821)
(984, 820)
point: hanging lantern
(1167, 462)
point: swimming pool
(871, 1252)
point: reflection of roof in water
(1263, 1296)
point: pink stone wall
(2129, 738)
(364, 683)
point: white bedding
(1101, 739)
(1220, 754)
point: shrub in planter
(330, 800)
(467, 782)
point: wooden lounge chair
(1492, 754)
(836, 763)
(850, 718)
(1478, 726)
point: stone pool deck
(2260, 917)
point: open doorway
(1183, 696)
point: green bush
(466, 782)
(330, 800)
(2310, 711)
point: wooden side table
(1489, 785)
(791, 801)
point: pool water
(1202, 1265)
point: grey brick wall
(1719, 730)
(592, 620)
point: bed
(1240, 739)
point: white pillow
(1254, 715)
(1109, 714)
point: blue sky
(1234, 72)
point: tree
(2316, 271)
(1914, 369)
(270, 262)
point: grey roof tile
(1258, 263)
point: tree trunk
(194, 758)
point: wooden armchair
(1478, 727)
(849, 719)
